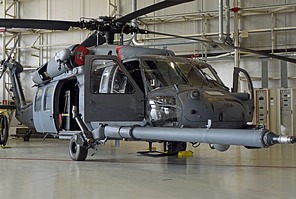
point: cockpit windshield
(209, 74)
(168, 72)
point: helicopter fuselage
(118, 85)
(133, 93)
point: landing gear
(170, 149)
(77, 148)
(174, 147)
(3, 129)
(27, 136)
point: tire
(76, 151)
(4, 129)
(175, 147)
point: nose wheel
(77, 148)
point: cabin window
(108, 77)
(38, 100)
(48, 99)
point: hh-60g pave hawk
(95, 92)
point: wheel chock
(185, 154)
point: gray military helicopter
(98, 91)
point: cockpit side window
(134, 70)
(108, 77)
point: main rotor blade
(39, 24)
(149, 9)
(287, 59)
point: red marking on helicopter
(79, 55)
(118, 48)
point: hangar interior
(41, 168)
(267, 26)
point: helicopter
(98, 91)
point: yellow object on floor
(185, 154)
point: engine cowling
(63, 61)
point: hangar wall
(262, 25)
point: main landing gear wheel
(3, 129)
(77, 150)
(175, 147)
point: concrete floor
(43, 169)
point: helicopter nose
(199, 106)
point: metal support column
(236, 35)
(264, 74)
(284, 74)
(112, 8)
(273, 41)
